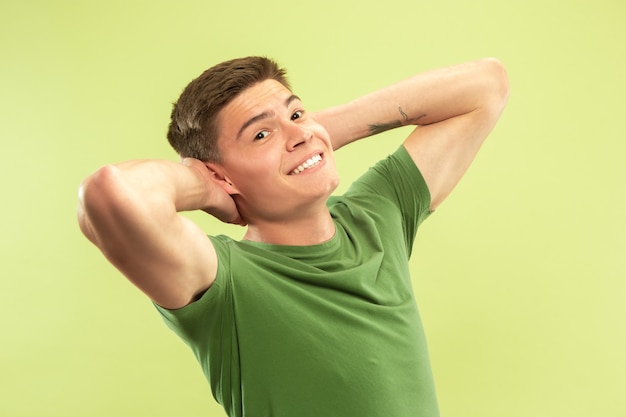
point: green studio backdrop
(520, 274)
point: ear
(220, 177)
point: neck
(304, 231)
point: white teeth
(309, 163)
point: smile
(309, 163)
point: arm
(130, 212)
(454, 108)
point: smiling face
(278, 159)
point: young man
(312, 313)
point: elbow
(498, 82)
(95, 199)
(97, 188)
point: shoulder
(396, 178)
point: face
(278, 159)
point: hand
(224, 207)
(221, 205)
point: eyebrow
(264, 115)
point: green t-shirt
(324, 330)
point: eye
(297, 115)
(262, 135)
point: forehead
(253, 100)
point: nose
(297, 135)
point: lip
(306, 158)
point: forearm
(177, 186)
(425, 98)
(132, 196)
(160, 185)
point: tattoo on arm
(383, 127)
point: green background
(520, 275)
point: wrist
(191, 185)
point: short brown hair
(193, 130)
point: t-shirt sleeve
(207, 327)
(399, 181)
(202, 320)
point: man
(312, 313)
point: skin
(281, 137)
(130, 211)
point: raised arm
(454, 108)
(130, 212)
